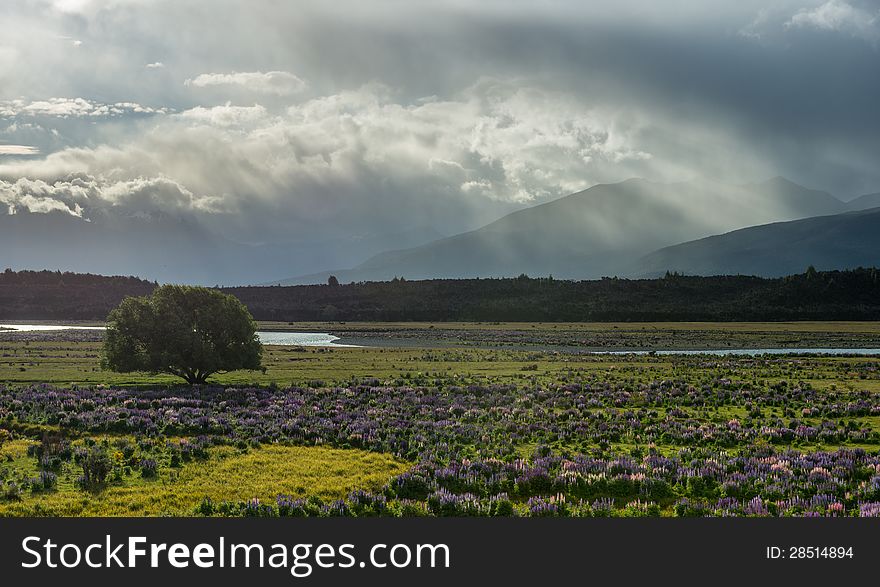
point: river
(324, 339)
(320, 339)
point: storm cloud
(275, 121)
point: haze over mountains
(166, 248)
(601, 231)
(632, 228)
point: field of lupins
(701, 436)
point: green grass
(232, 475)
(66, 363)
(228, 475)
(79, 363)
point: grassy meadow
(391, 423)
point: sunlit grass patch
(227, 475)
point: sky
(277, 121)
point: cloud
(595, 92)
(18, 150)
(352, 158)
(227, 115)
(71, 5)
(39, 197)
(92, 6)
(155, 65)
(755, 29)
(838, 15)
(279, 83)
(82, 195)
(73, 108)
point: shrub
(501, 506)
(46, 481)
(206, 507)
(408, 508)
(96, 467)
(10, 490)
(149, 469)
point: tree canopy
(191, 332)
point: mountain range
(635, 228)
(609, 229)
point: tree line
(812, 295)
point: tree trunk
(197, 378)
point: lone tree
(191, 332)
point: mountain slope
(595, 232)
(864, 202)
(839, 241)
